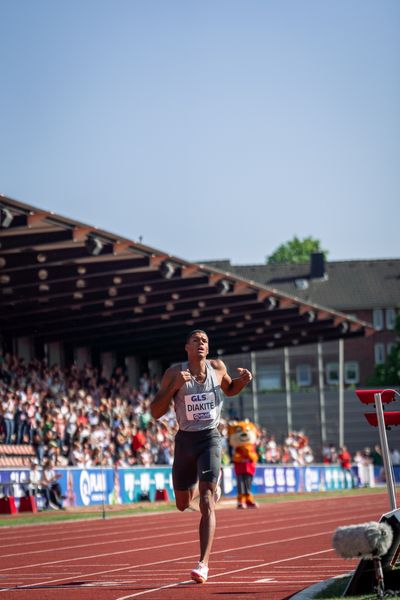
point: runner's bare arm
(172, 381)
(232, 387)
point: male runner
(195, 388)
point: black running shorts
(197, 456)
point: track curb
(312, 591)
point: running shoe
(200, 573)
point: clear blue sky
(212, 128)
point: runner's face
(197, 346)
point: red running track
(272, 552)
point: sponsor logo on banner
(312, 480)
(227, 479)
(92, 486)
(269, 479)
(291, 478)
(129, 485)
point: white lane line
(112, 542)
(37, 539)
(220, 575)
(239, 560)
(135, 531)
(140, 549)
(194, 556)
(113, 529)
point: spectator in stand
(51, 487)
(395, 457)
(138, 439)
(329, 455)
(272, 453)
(297, 450)
(164, 454)
(364, 462)
(31, 411)
(144, 385)
(377, 461)
(34, 478)
(38, 444)
(21, 418)
(80, 417)
(9, 406)
(59, 459)
(344, 458)
(76, 455)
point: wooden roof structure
(62, 280)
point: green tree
(296, 251)
(389, 372)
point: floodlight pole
(321, 395)
(287, 389)
(254, 386)
(385, 451)
(341, 393)
(103, 481)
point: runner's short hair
(195, 331)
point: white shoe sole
(195, 575)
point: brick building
(299, 388)
(366, 289)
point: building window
(269, 378)
(379, 350)
(390, 347)
(332, 373)
(377, 318)
(390, 318)
(303, 375)
(351, 372)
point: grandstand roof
(65, 280)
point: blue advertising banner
(86, 487)
(89, 487)
(11, 480)
(279, 479)
(138, 483)
(379, 473)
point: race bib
(200, 407)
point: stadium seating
(16, 455)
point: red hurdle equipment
(363, 579)
(7, 505)
(379, 398)
(368, 396)
(27, 504)
(162, 494)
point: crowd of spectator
(80, 417)
(294, 450)
(361, 458)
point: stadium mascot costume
(242, 438)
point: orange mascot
(242, 438)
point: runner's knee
(182, 499)
(181, 505)
(207, 504)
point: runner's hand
(182, 377)
(244, 375)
